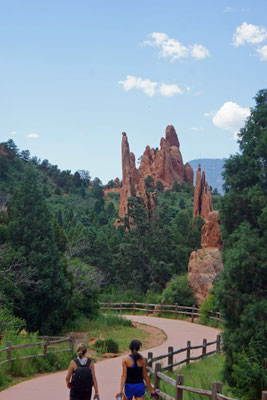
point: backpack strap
(77, 362)
(88, 362)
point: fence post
(170, 358)
(157, 378)
(72, 341)
(120, 307)
(160, 310)
(176, 310)
(109, 306)
(146, 309)
(179, 392)
(216, 388)
(193, 313)
(264, 396)
(8, 353)
(218, 344)
(188, 352)
(149, 359)
(45, 345)
(134, 308)
(204, 349)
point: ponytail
(81, 350)
(134, 347)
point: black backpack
(82, 379)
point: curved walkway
(108, 372)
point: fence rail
(214, 394)
(148, 308)
(189, 357)
(46, 342)
(216, 390)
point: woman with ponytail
(134, 374)
(81, 376)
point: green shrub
(107, 346)
(207, 305)
(178, 291)
(112, 346)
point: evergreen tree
(31, 233)
(242, 288)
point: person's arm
(69, 373)
(92, 367)
(146, 378)
(123, 377)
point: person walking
(81, 376)
(134, 374)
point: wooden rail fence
(171, 353)
(147, 308)
(45, 343)
(216, 389)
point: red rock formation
(117, 182)
(188, 173)
(165, 165)
(202, 197)
(210, 234)
(128, 189)
(204, 265)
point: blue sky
(75, 74)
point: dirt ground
(155, 336)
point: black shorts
(77, 395)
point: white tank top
(83, 360)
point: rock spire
(164, 164)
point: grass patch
(20, 370)
(201, 375)
(111, 326)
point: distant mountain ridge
(213, 170)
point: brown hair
(134, 347)
(81, 350)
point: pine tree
(45, 306)
(242, 288)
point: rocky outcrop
(127, 189)
(204, 265)
(164, 164)
(188, 173)
(202, 197)
(210, 234)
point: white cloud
(150, 88)
(248, 33)
(172, 48)
(146, 85)
(209, 114)
(263, 53)
(33, 136)
(197, 129)
(199, 52)
(231, 117)
(13, 133)
(169, 90)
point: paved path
(108, 372)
